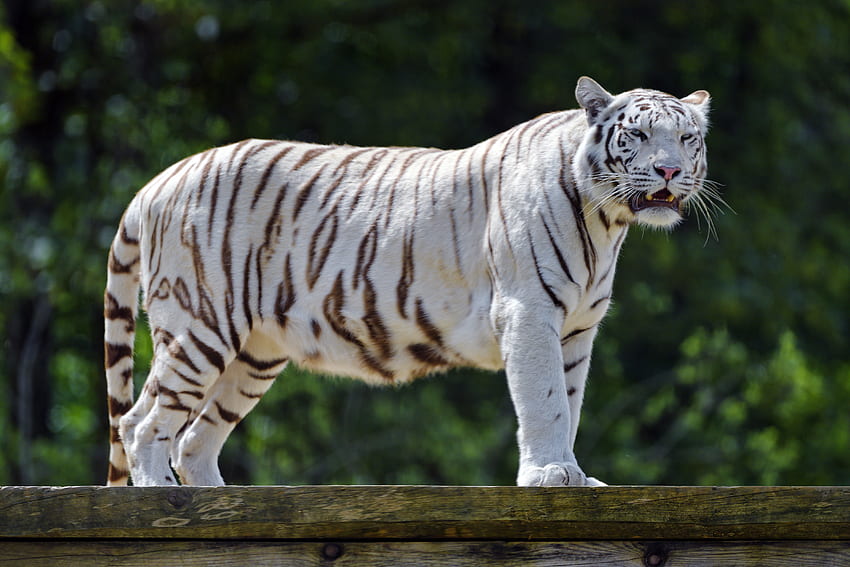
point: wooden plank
(197, 553)
(424, 513)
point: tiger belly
(348, 338)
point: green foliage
(346, 432)
(723, 361)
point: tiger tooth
(649, 198)
(670, 198)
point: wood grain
(188, 553)
(427, 513)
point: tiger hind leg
(182, 371)
(246, 379)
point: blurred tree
(722, 361)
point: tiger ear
(699, 99)
(592, 98)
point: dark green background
(722, 361)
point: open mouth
(663, 199)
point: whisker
(706, 202)
(622, 190)
(621, 193)
(702, 211)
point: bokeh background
(723, 361)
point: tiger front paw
(555, 474)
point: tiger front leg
(534, 365)
(576, 349)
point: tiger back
(387, 264)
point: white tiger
(387, 264)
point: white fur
(386, 265)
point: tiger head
(643, 158)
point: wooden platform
(424, 526)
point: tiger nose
(667, 173)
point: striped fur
(386, 264)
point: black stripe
(378, 333)
(209, 159)
(212, 355)
(558, 303)
(226, 247)
(407, 276)
(205, 311)
(246, 293)
(613, 263)
(367, 174)
(315, 263)
(114, 311)
(428, 354)
(561, 261)
(343, 163)
(261, 186)
(605, 220)
(153, 265)
(116, 353)
(423, 321)
(251, 396)
(484, 189)
(117, 474)
(118, 408)
(125, 236)
(285, 294)
(329, 192)
(226, 415)
(469, 185)
(213, 204)
(175, 349)
(181, 293)
(500, 205)
(572, 334)
(187, 379)
(194, 394)
(117, 267)
(310, 155)
(260, 365)
(571, 192)
(176, 404)
(304, 193)
(365, 255)
(256, 376)
(597, 136)
(436, 164)
(610, 159)
(572, 365)
(332, 307)
(391, 197)
(267, 249)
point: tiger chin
(387, 264)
